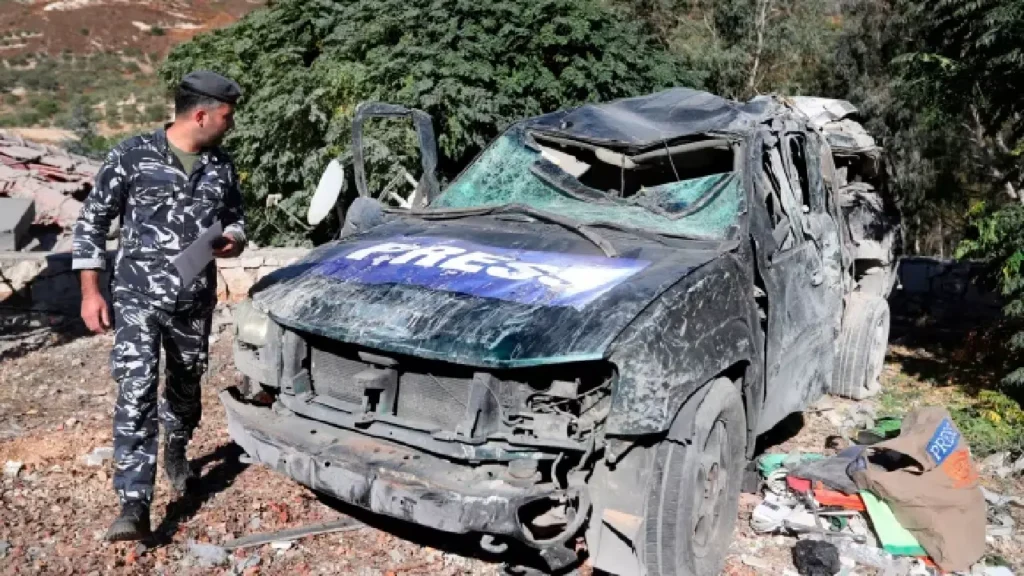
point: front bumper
(388, 478)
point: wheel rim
(712, 480)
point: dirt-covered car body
(506, 360)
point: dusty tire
(862, 346)
(695, 484)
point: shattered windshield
(516, 170)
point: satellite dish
(327, 191)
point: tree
(969, 68)
(741, 48)
(475, 66)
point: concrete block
(16, 215)
(238, 282)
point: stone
(222, 287)
(250, 262)
(994, 461)
(98, 456)
(22, 273)
(207, 555)
(238, 282)
(23, 153)
(12, 468)
(4, 547)
(243, 565)
(228, 263)
(263, 271)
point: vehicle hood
(480, 291)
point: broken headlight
(251, 325)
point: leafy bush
(995, 423)
(46, 107)
(474, 65)
(998, 238)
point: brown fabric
(936, 496)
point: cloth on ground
(831, 472)
(931, 486)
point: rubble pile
(54, 180)
(900, 496)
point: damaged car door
(797, 262)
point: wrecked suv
(574, 345)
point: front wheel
(695, 485)
(862, 346)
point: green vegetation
(476, 66)
(990, 420)
(54, 86)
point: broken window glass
(517, 170)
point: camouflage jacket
(163, 211)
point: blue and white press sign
(524, 276)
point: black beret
(213, 85)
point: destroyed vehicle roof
(837, 119)
(647, 121)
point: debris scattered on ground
(54, 180)
(237, 500)
(816, 558)
(207, 555)
(829, 499)
(282, 537)
(12, 468)
(98, 456)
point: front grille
(332, 375)
(433, 400)
(430, 394)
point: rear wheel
(862, 346)
(695, 486)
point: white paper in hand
(194, 259)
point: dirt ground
(55, 408)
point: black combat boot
(132, 524)
(176, 465)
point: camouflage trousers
(139, 331)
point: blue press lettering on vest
(943, 442)
(524, 276)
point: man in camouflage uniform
(169, 187)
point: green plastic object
(895, 539)
(771, 462)
(884, 429)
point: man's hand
(226, 247)
(94, 308)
